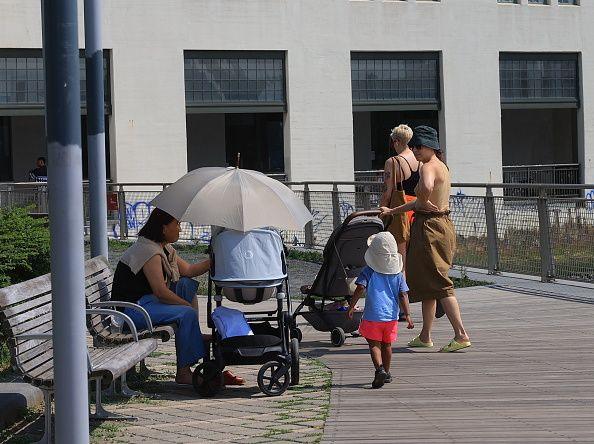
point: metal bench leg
(100, 413)
(143, 367)
(47, 413)
(127, 391)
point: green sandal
(455, 346)
(416, 342)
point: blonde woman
(432, 242)
(401, 175)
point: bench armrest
(33, 336)
(107, 312)
(131, 305)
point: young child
(386, 293)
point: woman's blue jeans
(188, 338)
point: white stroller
(250, 268)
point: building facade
(311, 88)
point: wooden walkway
(529, 377)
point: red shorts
(379, 331)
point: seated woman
(152, 275)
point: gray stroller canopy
(239, 258)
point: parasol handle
(238, 156)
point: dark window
(568, 2)
(22, 78)
(395, 78)
(531, 78)
(5, 151)
(227, 78)
(507, 1)
(538, 2)
(259, 139)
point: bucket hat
(382, 255)
(425, 136)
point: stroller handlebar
(351, 216)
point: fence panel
(518, 235)
(572, 238)
(468, 216)
(516, 243)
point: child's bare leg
(386, 355)
(376, 352)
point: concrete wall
(206, 140)
(148, 37)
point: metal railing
(542, 174)
(538, 234)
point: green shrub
(24, 246)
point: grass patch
(306, 255)
(465, 281)
(189, 247)
(106, 431)
(4, 358)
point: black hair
(153, 228)
(42, 158)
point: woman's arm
(388, 183)
(153, 270)
(401, 209)
(192, 270)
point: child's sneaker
(388, 378)
(380, 378)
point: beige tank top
(440, 196)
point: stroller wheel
(274, 378)
(294, 361)
(296, 334)
(207, 379)
(337, 336)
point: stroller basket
(331, 319)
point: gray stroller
(250, 268)
(343, 260)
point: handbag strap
(396, 161)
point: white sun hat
(382, 255)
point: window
(228, 78)
(534, 77)
(395, 78)
(22, 78)
(538, 2)
(508, 1)
(568, 2)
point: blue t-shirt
(381, 302)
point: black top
(127, 286)
(409, 184)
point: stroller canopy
(256, 255)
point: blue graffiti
(136, 216)
(345, 209)
(590, 200)
(458, 202)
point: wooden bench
(105, 329)
(26, 315)
(98, 281)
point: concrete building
(310, 88)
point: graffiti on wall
(137, 213)
(590, 200)
(458, 202)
